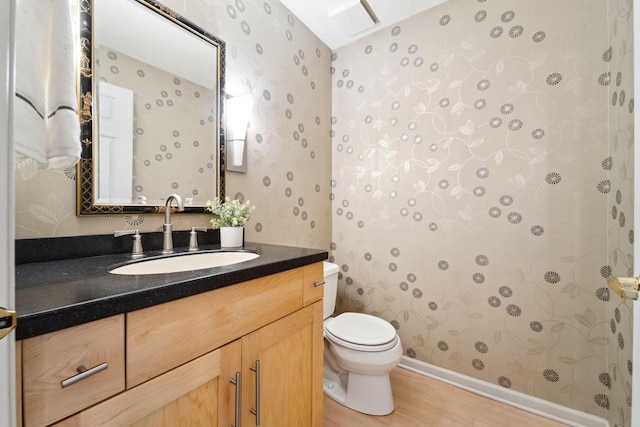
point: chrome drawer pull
(316, 284)
(83, 373)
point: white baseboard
(513, 398)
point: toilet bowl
(359, 352)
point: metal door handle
(625, 287)
(236, 381)
(316, 284)
(8, 321)
(256, 411)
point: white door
(7, 347)
(115, 147)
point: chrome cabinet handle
(236, 381)
(83, 373)
(316, 284)
(256, 411)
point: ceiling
(339, 22)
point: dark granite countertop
(54, 295)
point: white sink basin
(187, 262)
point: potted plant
(230, 216)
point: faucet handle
(136, 251)
(193, 237)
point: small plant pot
(231, 237)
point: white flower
(230, 213)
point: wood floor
(424, 402)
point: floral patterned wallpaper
(470, 190)
(277, 60)
(620, 227)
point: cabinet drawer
(162, 337)
(313, 289)
(48, 360)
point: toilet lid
(361, 329)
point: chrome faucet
(167, 241)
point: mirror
(151, 109)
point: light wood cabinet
(58, 369)
(196, 393)
(193, 361)
(167, 335)
(282, 371)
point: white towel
(46, 126)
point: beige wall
(276, 59)
(470, 190)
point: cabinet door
(197, 393)
(282, 371)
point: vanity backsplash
(60, 248)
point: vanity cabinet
(232, 356)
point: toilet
(359, 352)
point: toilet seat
(362, 332)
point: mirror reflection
(157, 84)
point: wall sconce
(238, 111)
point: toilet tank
(330, 288)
